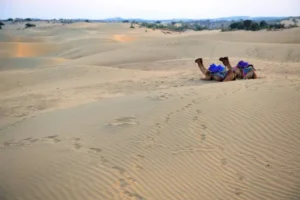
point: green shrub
(131, 26)
(29, 25)
(254, 26)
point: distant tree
(276, 26)
(28, 19)
(125, 21)
(10, 19)
(173, 23)
(158, 22)
(254, 26)
(247, 24)
(197, 27)
(87, 21)
(263, 24)
(29, 25)
(237, 25)
(131, 25)
(295, 21)
(2, 24)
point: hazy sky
(150, 9)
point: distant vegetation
(250, 25)
(181, 25)
(131, 25)
(173, 26)
(29, 25)
(1, 24)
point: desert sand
(101, 111)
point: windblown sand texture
(101, 111)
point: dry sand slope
(101, 111)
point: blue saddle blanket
(216, 68)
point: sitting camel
(226, 76)
(245, 73)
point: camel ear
(220, 59)
(226, 57)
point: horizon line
(122, 18)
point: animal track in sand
(192, 149)
(163, 96)
(124, 121)
(19, 143)
(52, 138)
(75, 143)
(119, 169)
(224, 161)
(238, 191)
(240, 176)
(97, 150)
(77, 146)
(125, 183)
(203, 127)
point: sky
(150, 9)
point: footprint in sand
(223, 161)
(124, 121)
(240, 176)
(138, 167)
(119, 169)
(52, 138)
(77, 146)
(96, 150)
(238, 191)
(203, 127)
(123, 183)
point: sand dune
(102, 111)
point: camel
(228, 75)
(239, 72)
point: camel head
(199, 61)
(224, 60)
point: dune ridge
(101, 111)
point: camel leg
(255, 75)
(203, 70)
(249, 75)
(239, 73)
(230, 76)
(206, 78)
(216, 78)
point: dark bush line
(250, 25)
(29, 25)
(172, 26)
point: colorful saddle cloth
(217, 70)
(245, 66)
